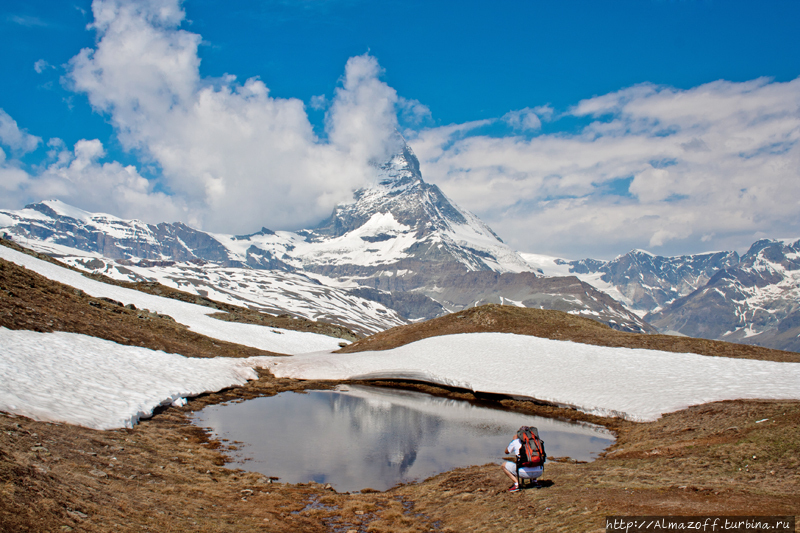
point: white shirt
(514, 447)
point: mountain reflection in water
(357, 437)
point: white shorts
(527, 473)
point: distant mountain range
(401, 251)
(752, 299)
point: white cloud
(362, 118)
(27, 21)
(237, 157)
(544, 112)
(11, 179)
(413, 111)
(13, 137)
(714, 164)
(654, 184)
(319, 102)
(41, 65)
(523, 119)
(79, 178)
(658, 167)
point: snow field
(95, 383)
(276, 292)
(635, 384)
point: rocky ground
(731, 458)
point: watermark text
(728, 524)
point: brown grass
(165, 475)
(557, 325)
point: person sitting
(510, 469)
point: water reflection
(357, 437)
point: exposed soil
(557, 325)
(731, 458)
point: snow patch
(95, 383)
(636, 384)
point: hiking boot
(514, 488)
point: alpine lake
(357, 437)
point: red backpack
(531, 452)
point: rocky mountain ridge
(752, 299)
(756, 301)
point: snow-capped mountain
(756, 301)
(401, 246)
(642, 281)
(404, 237)
(400, 218)
(181, 257)
(752, 299)
(67, 227)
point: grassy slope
(557, 325)
(33, 302)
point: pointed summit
(415, 221)
(402, 168)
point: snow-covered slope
(95, 383)
(191, 315)
(82, 380)
(272, 291)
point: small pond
(358, 437)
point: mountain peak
(441, 232)
(398, 189)
(402, 168)
(57, 208)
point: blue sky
(581, 128)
